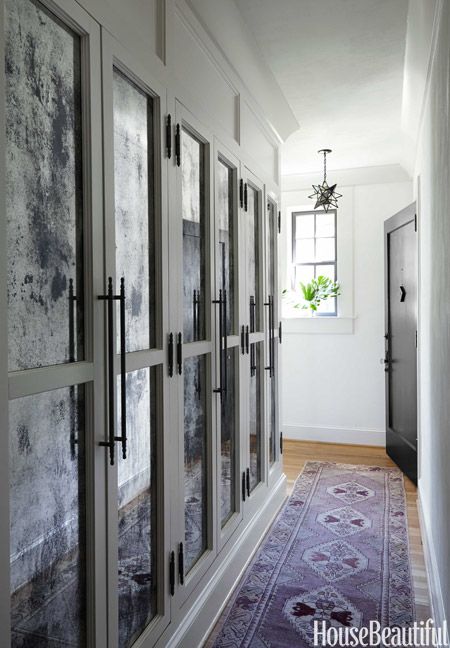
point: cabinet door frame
(254, 502)
(114, 56)
(221, 152)
(88, 372)
(184, 118)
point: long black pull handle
(241, 192)
(219, 389)
(272, 337)
(172, 573)
(245, 197)
(181, 563)
(242, 339)
(248, 481)
(123, 371)
(169, 136)
(252, 314)
(109, 298)
(225, 344)
(170, 355)
(180, 353)
(178, 145)
(280, 332)
(243, 486)
(269, 367)
(247, 339)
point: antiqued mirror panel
(194, 236)
(48, 537)
(195, 458)
(228, 438)
(273, 416)
(134, 209)
(137, 507)
(255, 413)
(253, 258)
(226, 218)
(44, 195)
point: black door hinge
(280, 332)
(281, 442)
(178, 145)
(181, 563)
(279, 222)
(241, 193)
(246, 197)
(180, 354)
(243, 486)
(248, 481)
(172, 573)
(415, 222)
(170, 354)
(169, 136)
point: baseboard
(335, 435)
(434, 581)
(202, 616)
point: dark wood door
(401, 339)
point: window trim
(314, 264)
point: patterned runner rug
(338, 552)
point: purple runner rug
(338, 552)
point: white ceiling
(340, 65)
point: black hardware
(73, 425)
(243, 486)
(252, 314)
(248, 481)
(281, 442)
(280, 332)
(247, 338)
(246, 197)
(252, 360)
(415, 222)
(225, 344)
(170, 354)
(180, 354)
(109, 298)
(402, 293)
(178, 145)
(241, 192)
(172, 572)
(169, 136)
(220, 389)
(181, 563)
(242, 339)
(196, 313)
(123, 371)
(271, 367)
(279, 222)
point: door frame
(404, 217)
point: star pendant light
(325, 196)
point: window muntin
(314, 251)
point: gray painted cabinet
(142, 419)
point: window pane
(194, 273)
(133, 190)
(325, 249)
(328, 306)
(226, 237)
(255, 402)
(195, 440)
(44, 194)
(305, 251)
(303, 274)
(228, 433)
(304, 227)
(253, 216)
(48, 538)
(325, 224)
(137, 508)
(326, 271)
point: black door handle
(242, 339)
(248, 481)
(220, 388)
(243, 486)
(402, 293)
(110, 298)
(170, 355)
(180, 353)
(247, 339)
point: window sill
(312, 325)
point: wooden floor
(296, 453)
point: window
(314, 251)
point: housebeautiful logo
(419, 634)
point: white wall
(332, 379)
(433, 191)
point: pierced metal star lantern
(326, 197)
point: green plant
(316, 291)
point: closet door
(252, 339)
(191, 270)
(272, 331)
(53, 210)
(226, 248)
(137, 305)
